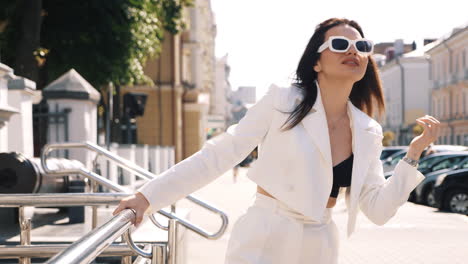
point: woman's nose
(352, 50)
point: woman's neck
(335, 94)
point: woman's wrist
(414, 153)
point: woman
(314, 137)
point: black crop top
(342, 175)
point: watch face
(411, 162)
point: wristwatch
(411, 162)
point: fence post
(74, 92)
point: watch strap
(410, 161)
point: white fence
(156, 159)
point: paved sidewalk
(417, 234)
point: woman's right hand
(136, 202)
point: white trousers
(272, 233)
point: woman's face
(342, 65)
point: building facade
(407, 92)
(178, 104)
(219, 104)
(450, 86)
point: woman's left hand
(430, 134)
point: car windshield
(429, 161)
(464, 164)
(397, 158)
(387, 153)
(446, 163)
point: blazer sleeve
(380, 198)
(217, 155)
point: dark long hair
(365, 94)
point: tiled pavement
(415, 235)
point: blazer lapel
(366, 145)
(316, 125)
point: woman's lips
(351, 62)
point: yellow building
(177, 105)
(450, 86)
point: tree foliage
(103, 40)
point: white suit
(294, 166)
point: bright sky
(265, 39)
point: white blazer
(294, 166)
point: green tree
(103, 40)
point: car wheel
(430, 199)
(456, 201)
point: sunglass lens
(364, 46)
(340, 44)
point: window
(397, 158)
(446, 163)
(443, 107)
(464, 164)
(426, 163)
(464, 58)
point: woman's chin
(350, 75)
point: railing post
(172, 241)
(94, 189)
(159, 254)
(25, 233)
(126, 260)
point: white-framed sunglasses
(342, 44)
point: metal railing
(159, 253)
(91, 245)
(124, 163)
(107, 232)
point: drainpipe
(175, 85)
(402, 71)
(449, 123)
(429, 61)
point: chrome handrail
(116, 187)
(50, 250)
(99, 150)
(195, 228)
(141, 252)
(26, 250)
(60, 199)
(92, 244)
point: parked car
(390, 150)
(442, 148)
(451, 191)
(434, 163)
(391, 161)
(439, 161)
(424, 192)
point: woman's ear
(317, 68)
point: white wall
(21, 125)
(82, 124)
